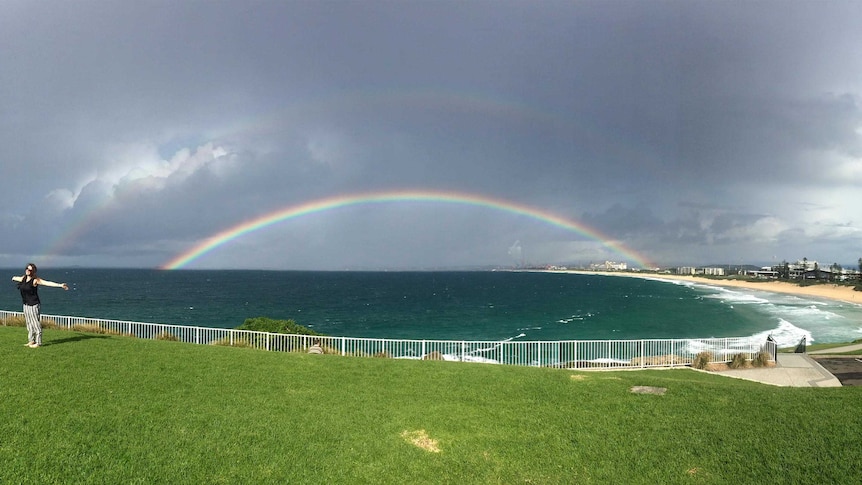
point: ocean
(467, 305)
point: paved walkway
(792, 370)
(838, 350)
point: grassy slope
(97, 409)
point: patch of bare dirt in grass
(421, 439)
(659, 391)
(583, 377)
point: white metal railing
(572, 354)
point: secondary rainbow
(330, 203)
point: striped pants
(34, 323)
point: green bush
(266, 324)
(702, 360)
(738, 362)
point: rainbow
(335, 202)
(423, 98)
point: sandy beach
(832, 292)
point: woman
(29, 285)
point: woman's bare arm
(40, 281)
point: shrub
(14, 322)
(266, 324)
(762, 359)
(225, 342)
(92, 328)
(167, 336)
(738, 362)
(433, 356)
(702, 360)
(383, 355)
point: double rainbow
(335, 202)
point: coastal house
(762, 273)
(817, 275)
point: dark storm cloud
(690, 131)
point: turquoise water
(445, 305)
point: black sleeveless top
(29, 292)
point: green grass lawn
(103, 409)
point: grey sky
(691, 132)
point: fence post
(773, 348)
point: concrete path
(838, 350)
(792, 370)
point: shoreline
(840, 293)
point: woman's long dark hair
(32, 275)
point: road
(847, 369)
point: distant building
(817, 274)
(692, 270)
(609, 266)
(762, 273)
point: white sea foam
(785, 335)
(496, 346)
(795, 316)
(472, 358)
(730, 296)
(575, 318)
